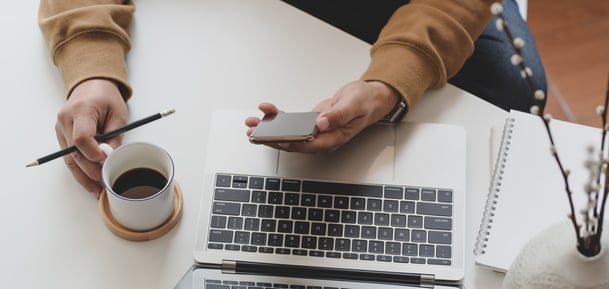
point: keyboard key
(301, 227)
(335, 230)
(434, 209)
(242, 237)
(368, 232)
(307, 200)
(417, 260)
(290, 185)
(375, 205)
(348, 217)
(393, 248)
(444, 262)
(445, 196)
(411, 194)
(282, 212)
(426, 251)
(256, 183)
(309, 242)
(428, 195)
(419, 236)
(275, 240)
(285, 226)
(415, 221)
(292, 241)
(440, 237)
(235, 223)
(394, 193)
(259, 197)
(443, 251)
(239, 182)
(220, 236)
(366, 257)
(402, 235)
(381, 219)
(259, 239)
(251, 224)
(332, 216)
(341, 202)
(360, 246)
(398, 221)
(218, 222)
(272, 184)
(352, 231)
(342, 244)
(299, 213)
(269, 225)
(407, 207)
(390, 206)
(292, 199)
(383, 258)
(318, 229)
(265, 211)
(326, 243)
(364, 218)
(324, 201)
(438, 223)
(249, 210)
(385, 233)
(315, 215)
(275, 198)
(376, 247)
(358, 203)
(222, 208)
(223, 181)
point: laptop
(385, 210)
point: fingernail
(323, 124)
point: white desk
(195, 56)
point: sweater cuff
(94, 55)
(404, 69)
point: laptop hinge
(238, 267)
(229, 266)
(427, 280)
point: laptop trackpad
(368, 157)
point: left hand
(355, 106)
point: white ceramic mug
(135, 199)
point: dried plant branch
(588, 245)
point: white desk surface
(195, 56)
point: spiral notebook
(527, 191)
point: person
(416, 45)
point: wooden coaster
(138, 236)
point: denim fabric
(488, 73)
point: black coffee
(139, 183)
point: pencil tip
(168, 112)
(34, 163)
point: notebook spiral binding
(493, 192)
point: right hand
(95, 106)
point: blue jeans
(488, 73)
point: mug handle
(106, 148)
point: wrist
(393, 106)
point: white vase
(551, 260)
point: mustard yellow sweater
(424, 43)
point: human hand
(95, 106)
(355, 106)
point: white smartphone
(288, 127)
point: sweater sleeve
(426, 42)
(88, 39)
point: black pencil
(103, 137)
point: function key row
(331, 188)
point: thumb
(336, 116)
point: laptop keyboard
(229, 284)
(370, 222)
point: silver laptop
(385, 210)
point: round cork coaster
(139, 236)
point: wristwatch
(397, 113)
